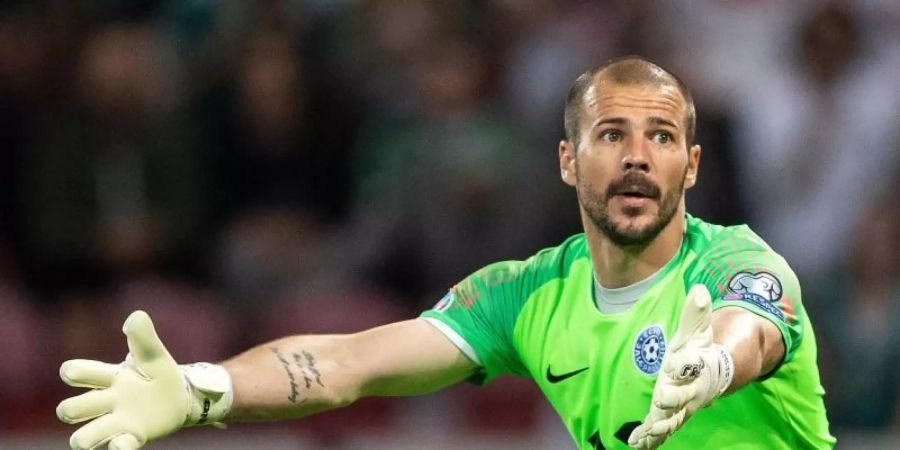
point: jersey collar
(617, 300)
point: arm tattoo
(295, 388)
(311, 364)
(307, 364)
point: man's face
(631, 166)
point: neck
(617, 266)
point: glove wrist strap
(210, 394)
(726, 368)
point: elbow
(342, 398)
(345, 389)
(339, 402)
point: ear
(693, 167)
(567, 162)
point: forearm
(755, 344)
(301, 375)
(291, 377)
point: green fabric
(538, 318)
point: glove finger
(642, 431)
(86, 406)
(95, 433)
(125, 442)
(674, 397)
(664, 428)
(649, 443)
(638, 437)
(657, 414)
(696, 317)
(637, 434)
(88, 373)
(640, 444)
(146, 349)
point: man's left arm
(755, 344)
(712, 354)
(742, 319)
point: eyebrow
(611, 120)
(660, 121)
(655, 120)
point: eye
(611, 136)
(662, 137)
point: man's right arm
(301, 375)
(150, 396)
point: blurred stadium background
(245, 170)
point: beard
(596, 204)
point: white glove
(144, 398)
(695, 371)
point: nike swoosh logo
(557, 378)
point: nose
(636, 157)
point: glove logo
(691, 371)
(649, 349)
(205, 414)
(763, 284)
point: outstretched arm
(150, 396)
(301, 375)
(710, 355)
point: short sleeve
(758, 280)
(479, 314)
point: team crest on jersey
(445, 302)
(649, 349)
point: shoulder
(710, 239)
(555, 261)
(710, 242)
(525, 275)
(740, 270)
(737, 257)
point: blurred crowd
(247, 170)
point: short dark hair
(625, 70)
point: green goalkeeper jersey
(539, 318)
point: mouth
(636, 192)
(634, 201)
(635, 197)
(632, 194)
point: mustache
(633, 183)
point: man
(616, 325)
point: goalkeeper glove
(144, 398)
(695, 371)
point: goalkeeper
(650, 329)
